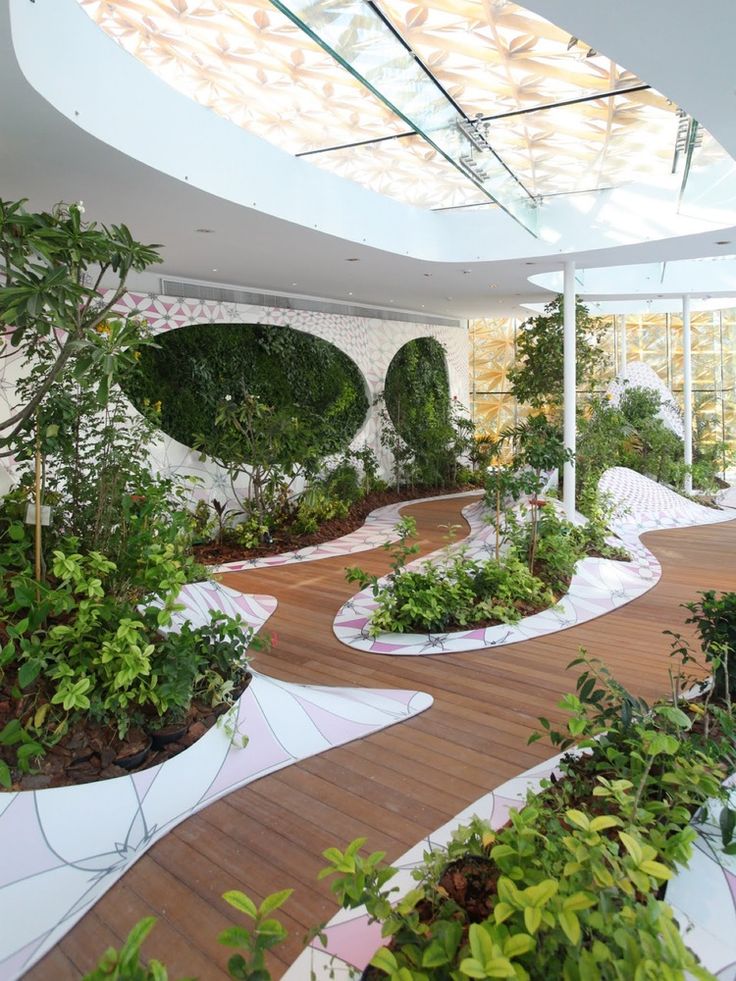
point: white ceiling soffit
(140, 152)
(713, 276)
(129, 108)
(684, 50)
(669, 304)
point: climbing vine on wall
(193, 368)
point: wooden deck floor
(392, 787)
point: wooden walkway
(392, 787)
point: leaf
(519, 944)
(578, 819)
(632, 846)
(241, 902)
(603, 822)
(532, 918)
(234, 936)
(272, 902)
(502, 911)
(471, 968)
(384, 960)
(657, 869)
(5, 779)
(578, 901)
(571, 925)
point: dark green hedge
(193, 368)
(417, 391)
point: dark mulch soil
(91, 752)
(287, 540)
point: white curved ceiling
(105, 130)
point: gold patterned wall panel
(655, 339)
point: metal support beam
(569, 387)
(687, 390)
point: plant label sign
(45, 514)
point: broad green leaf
(532, 918)
(632, 846)
(272, 902)
(571, 925)
(384, 960)
(577, 818)
(603, 822)
(519, 944)
(241, 902)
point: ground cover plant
(94, 547)
(534, 558)
(573, 886)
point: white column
(569, 387)
(688, 389)
(623, 344)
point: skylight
(560, 116)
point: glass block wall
(655, 339)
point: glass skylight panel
(495, 57)
(590, 145)
(247, 62)
(408, 170)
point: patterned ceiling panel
(394, 168)
(247, 62)
(250, 64)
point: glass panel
(495, 57)
(392, 168)
(709, 182)
(249, 63)
(367, 46)
(646, 340)
(590, 145)
(492, 413)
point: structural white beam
(569, 387)
(688, 389)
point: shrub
(715, 621)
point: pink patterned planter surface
(377, 530)
(703, 895)
(62, 848)
(598, 586)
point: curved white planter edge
(62, 848)
(598, 586)
(703, 895)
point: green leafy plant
(126, 964)
(265, 934)
(537, 374)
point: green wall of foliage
(417, 391)
(193, 368)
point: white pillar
(569, 387)
(688, 389)
(623, 344)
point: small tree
(537, 375)
(53, 264)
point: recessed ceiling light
(205, 231)
(724, 241)
(493, 286)
(350, 294)
(448, 297)
(214, 270)
(295, 284)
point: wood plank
(392, 787)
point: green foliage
(424, 429)
(715, 621)
(572, 883)
(79, 648)
(266, 933)
(126, 964)
(537, 375)
(296, 374)
(452, 593)
(53, 265)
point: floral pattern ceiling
(247, 62)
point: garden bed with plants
(292, 537)
(572, 883)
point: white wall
(371, 343)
